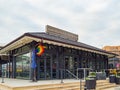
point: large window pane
(23, 66)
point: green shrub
(88, 78)
(118, 74)
(92, 74)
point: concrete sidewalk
(19, 82)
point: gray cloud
(96, 21)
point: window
(23, 66)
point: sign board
(61, 33)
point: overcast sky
(97, 22)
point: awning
(27, 39)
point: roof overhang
(28, 38)
(72, 46)
(4, 58)
(16, 44)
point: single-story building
(60, 55)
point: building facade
(115, 61)
(62, 55)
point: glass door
(48, 66)
(45, 67)
(42, 68)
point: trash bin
(117, 81)
(112, 78)
(101, 76)
(90, 84)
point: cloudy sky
(97, 22)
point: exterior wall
(116, 60)
(113, 49)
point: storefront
(61, 56)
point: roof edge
(29, 34)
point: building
(1, 47)
(0, 61)
(62, 55)
(115, 61)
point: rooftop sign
(61, 33)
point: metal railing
(71, 74)
(84, 71)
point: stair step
(106, 86)
(59, 86)
(100, 85)
(76, 86)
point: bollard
(80, 84)
(61, 75)
(85, 88)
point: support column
(61, 63)
(9, 66)
(51, 62)
(13, 67)
(57, 64)
(38, 68)
(45, 67)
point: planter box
(90, 84)
(117, 81)
(112, 78)
(101, 76)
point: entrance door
(42, 68)
(47, 67)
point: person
(33, 65)
(118, 66)
(33, 76)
